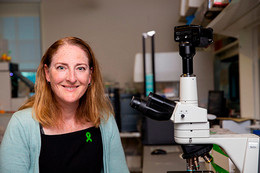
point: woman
(67, 126)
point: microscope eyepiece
(156, 107)
(135, 102)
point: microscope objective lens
(190, 166)
(196, 163)
(207, 157)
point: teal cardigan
(21, 145)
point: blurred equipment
(10, 77)
(158, 152)
(191, 127)
(114, 96)
(150, 132)
(208, 10)
(149, 77)
(217, 104)
(150, 69)
(214, 7)
(129, 118)
(163, 61)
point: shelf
(130, 134)
(225, 48)
(228, 51)
(238, 15)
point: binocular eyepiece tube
(155, 107)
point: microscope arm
(243, 149)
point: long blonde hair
(93, 105)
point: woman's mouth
(70, 88)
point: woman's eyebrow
(63, 63)
(60, 63)
(81, 64)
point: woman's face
(69, 74)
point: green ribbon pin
(88, 135)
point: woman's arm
(117, 160)
(14, 149)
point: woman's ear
(47, 73)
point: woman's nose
(71, 76)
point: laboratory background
(150, 53)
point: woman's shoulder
(24, 113)
(108, 122)
(107, 119)
(24, 116)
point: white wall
(19, 9)
(113, 28)
(203, 69)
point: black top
(76, 152)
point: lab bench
(236, 125)
(171, 161)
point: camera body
(194, 34)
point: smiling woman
(69, 77)
(64, 88)
(67, 126)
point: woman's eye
(60, 68)
(81, 68)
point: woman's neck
(68, 113)
(68, 122)
(67, 126)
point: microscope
(191, 126)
